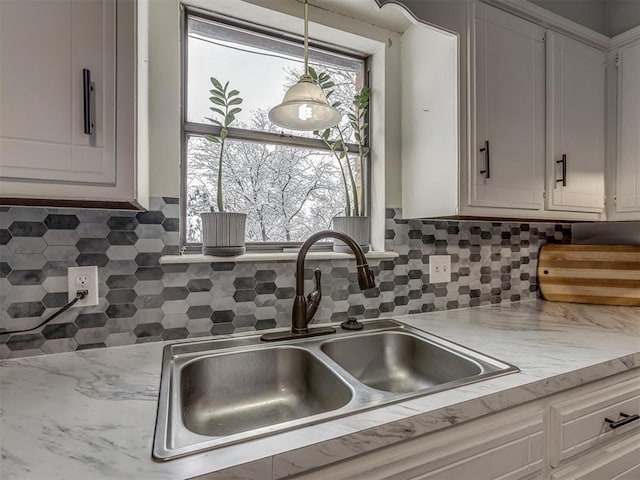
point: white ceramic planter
(359, 228)
(223, 233)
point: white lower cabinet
(567, 436)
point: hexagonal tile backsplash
(142, 301)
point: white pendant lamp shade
(305, 106)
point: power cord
(80, 295)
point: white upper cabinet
(68, 113)
(429, 122)
(575, 125)
(526, 98)
(44, 48)
(507, 138)
(627, 196)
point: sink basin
(219, 392)
(398, 362)
(256, 389)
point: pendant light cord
(306, 37)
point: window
(288, 183)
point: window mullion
(194, 128)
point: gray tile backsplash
(142, 301)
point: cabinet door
(44, 47)
(575, 125)
(430, 123)
(508, 81)
(628, 165)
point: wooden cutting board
(601, 274)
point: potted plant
(355, 221)
(223, 233)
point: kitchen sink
(257, 389)
(219, 392)
(399, 362)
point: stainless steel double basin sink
(219, 392)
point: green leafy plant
(334, 138)
(224, 104)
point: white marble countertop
(91, 414)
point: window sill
(269, 257)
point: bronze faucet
(305, 308)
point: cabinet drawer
(617, 461)
(579, 423)
(503, 446)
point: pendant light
(305, 106)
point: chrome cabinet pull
(487, 170)
(88, 94)
(622, 421)
(564, 170)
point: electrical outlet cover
(83, 278)
(439, 268)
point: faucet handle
(313, 299)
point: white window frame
(371, 29)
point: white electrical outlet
(439, 268)
(83, 278)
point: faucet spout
(302, 314)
